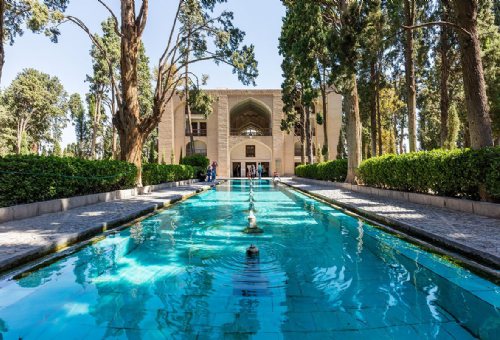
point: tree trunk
(351, 107)
(2, 34)
(409, 9)
(473, 76)
(131, 150)
(187, 109)
(379, 114)
(325, 128)
(309, 143)
(373, 111)
(128, 117)
(113, 113)
(444, 47)
(379, 127)
(95, 126)
(302, 136)
(113, 143)
(19, 136)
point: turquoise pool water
(183, 273)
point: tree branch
(437, 23)
(167, 48)
(115, 18)
(96, 42)
(141, 19)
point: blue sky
(70, 61)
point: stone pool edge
(479, 262)
(39, 257)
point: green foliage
(154, 173)
(38, 16)
(25, 179)
(37, 105)
(79, 120)
(334, 171)
(7, 131)
(196, 160)
(205, 36)
(489, 36)
(455, 173)
(200, 102)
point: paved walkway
(31, 238)
(476, 237)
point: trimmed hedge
(196, 160)
(200, 164)
(455, 173)
(334, 171)
(30, 178)
(154, 173)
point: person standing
(209, 174)
(238, 170)
(214, 171)
(259, 170)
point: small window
(203, 128)
(250, 151)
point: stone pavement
(473, 236)
(31, 238)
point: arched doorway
(250, 118)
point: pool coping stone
(26, 257)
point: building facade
(243, 130)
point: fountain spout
(252, 224)
(252, 251)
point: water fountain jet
(252, 224)
(252, 251)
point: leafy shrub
(196, 160)
(335, 171)
(455, 173)
(30, 178)
(154, 173)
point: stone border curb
(482, 261)
(22, 211)
(86, 234)
(463, 205)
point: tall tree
(220, 42)
(346, 18)
(79, 119)
(37, 103)
(411, 87)
(489, 37)
(7, 132)
(473, 76)
(37, 16)
(309, 48)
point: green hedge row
(26, 179)
(334, 171)
(456, 173)
(199, 163)
(30, 178)
(154, 173)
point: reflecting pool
(184, 273)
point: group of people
(253, 171)
(211, 172)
